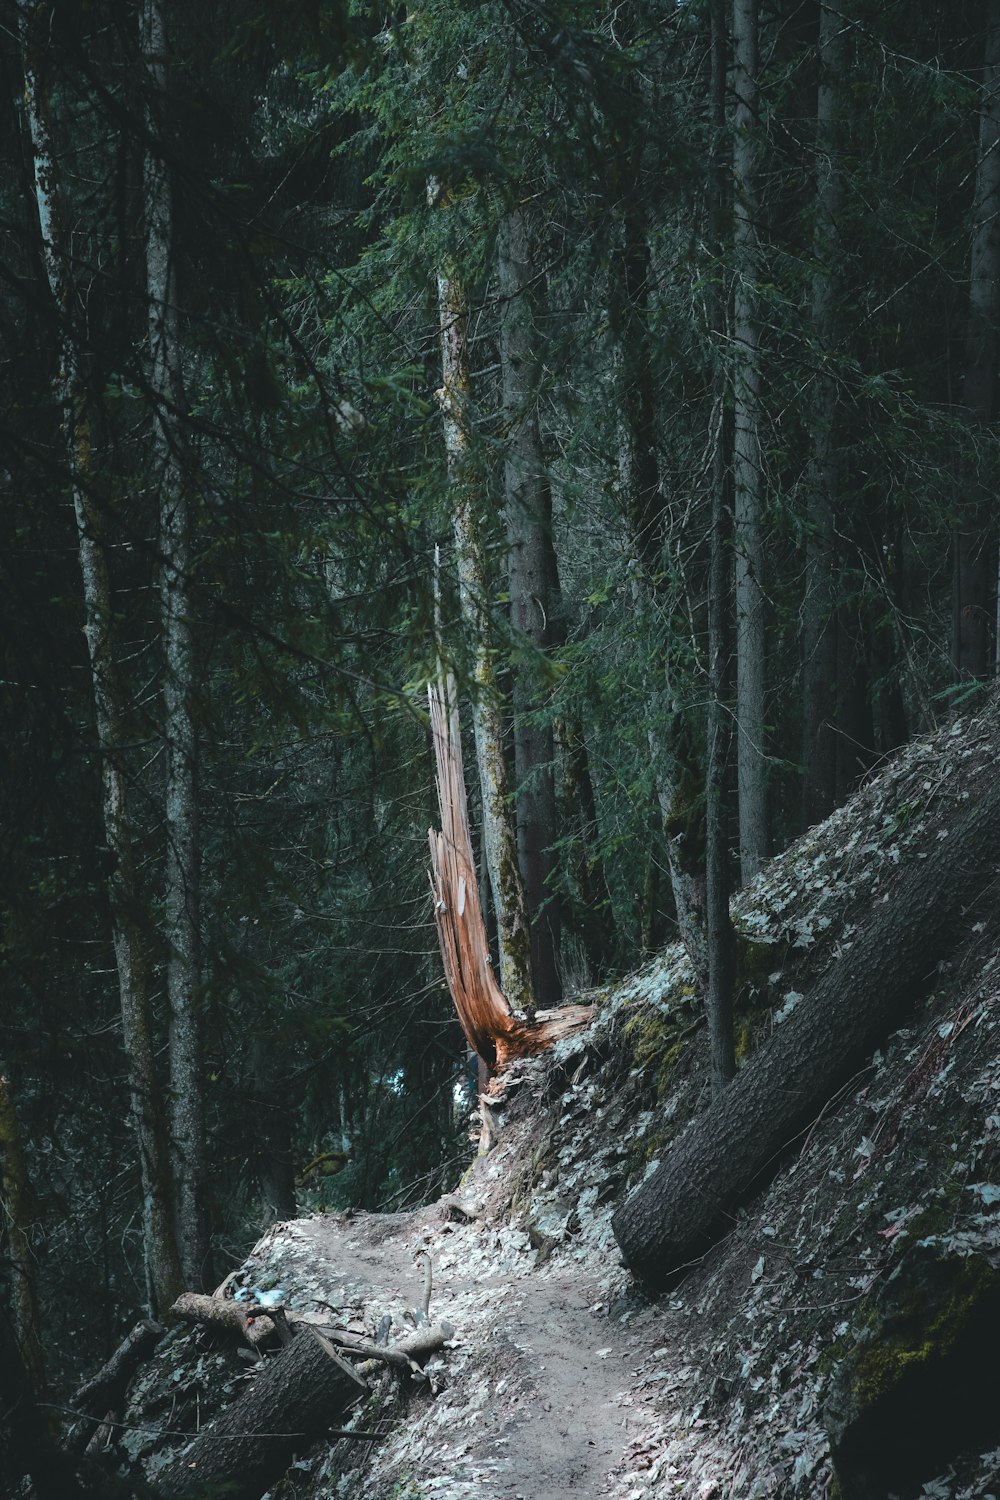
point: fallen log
(732, 1149)
(244, 1319)
(106, 1390)
(289, 1405)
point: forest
(623, 374)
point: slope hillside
(838, 1339)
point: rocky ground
(840, 1340)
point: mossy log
(287, 1407)
(731, 1149)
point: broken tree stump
(737, 1144)
(294, 1399)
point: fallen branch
(406, 1355)
(106, 1390)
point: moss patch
(912, 1392)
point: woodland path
(539, 1399)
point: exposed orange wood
(493, 1032)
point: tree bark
(719, 926)
(244, 1320)
(747, 473)
(17, 1217)
(289, 1405)
(273, 1149)
(182, 878)
(533, 586)
(589, 913)
(677, 775)
(819, 610)
(162, 1263)
(726, 1153)
(499, 828)
(975, 540)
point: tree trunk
(747, 473)
(273, 1151)
(719, 927)
(183, 872)
(533, 586)
(819, 611)
(492, 1032)
(290, 1403)
(162, 1264)
(590, 910)
(499, 830)
(737, 1144)
(17, 1217)
(676, 771)
(974, 545)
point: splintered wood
(493, 1032)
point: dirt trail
(536, 1399)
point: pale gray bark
(747, 472)
(162, 1265)
(532, 583)
(819, 613)
(718, 922)
(182, 871)
(499, 830)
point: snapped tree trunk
(747, 474)
(163, 1270)
(182, 878)
(730, 1150)
(975, 540)
(533, 586)
(819, 608)
(493, 1033)
(499, 827)
(290, 1403)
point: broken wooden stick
(406, 1355)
